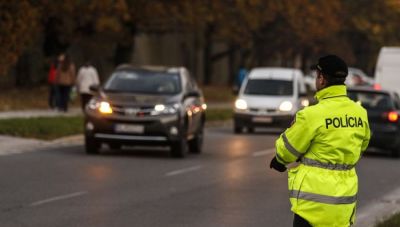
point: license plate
(129, 128)
(262, 119)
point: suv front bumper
(160, 130)
(262, 120)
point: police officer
(327, 140)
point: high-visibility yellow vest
(327, 139)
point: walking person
(51, 80)
(327, 140)
(65, 79)
(87, 76)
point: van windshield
(269, 87)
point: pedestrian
(65, 79)
(87, 76)
(51, 80)
(327, 140)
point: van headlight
(240, 104)
(161, 109)
(286, 106)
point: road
(227, 185)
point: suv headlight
(286, 106)
(241, 104)
(161, 109)
(102, 106)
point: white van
(269, 97)
(387, 70)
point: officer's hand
(277, 165)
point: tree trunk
(208, 47)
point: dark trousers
(63, 92)
(298, 221)
(85, 98)
(52, 96)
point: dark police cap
(331, 65)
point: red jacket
(51, 78)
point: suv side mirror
(94, 88)
(195, 94)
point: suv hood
(127, 99)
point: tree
(18, 27)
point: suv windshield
(142, 81)
(269, 87)
(372, 100)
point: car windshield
(372, 100)
(142, 81)
(269, 87)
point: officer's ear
(322, 81)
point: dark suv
(146, 106)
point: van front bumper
(258, 120)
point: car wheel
(179, 148)
(237, 129)
(196, 144)
(115, 146)
(395, 153)
(91, 146)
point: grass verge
(46, 128)
(390, 222)
(49, 128)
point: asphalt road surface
(229, 184)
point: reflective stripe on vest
(311, 162)
(323, 198)
(289, 147)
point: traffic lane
(238, 193)
(133, 187)
(57, 175)
(378, 175)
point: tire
(115, 146)
(179, 148)
(237, 129)
(196, 144)
(395, 153)
(91, 146)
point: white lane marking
(182, 171)
(263, 152)
(378, 210)
(57, 198)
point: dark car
(383, 108)
(146, 106)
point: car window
(269, 87)
(143, 81)
(372, 100)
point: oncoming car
(383, 108)
(146, 106)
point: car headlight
(241, 104)
(160, 109)
(286, 106)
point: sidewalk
(77, 111)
